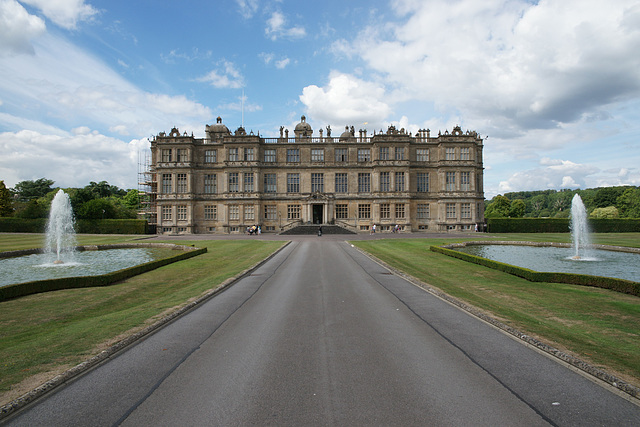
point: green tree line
(602, 202)
(97, 200)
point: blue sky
(553, 86)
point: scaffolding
(147, 190)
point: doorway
(317, 214)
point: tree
(132, 199)
(517, 209)
(103, 189)
(604, 213)
(628, 203)
(607, 196)
(97, 209)
(5, 200)
(499, 207)
(538, 203)
(31, 190)
(33, 209)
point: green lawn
(46, 333)
(596, 325)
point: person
(320, 231)
(373, 229)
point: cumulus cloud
(552, 173)
(71, 160)
(277, 28)
(517, 64)
(346, 99)
(225, 76)
(18, 28)
(65, 13)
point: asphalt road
(321, 335)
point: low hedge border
(618, 285)
(39, 286)
(560, 225)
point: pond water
(86, 263)
(621, 265)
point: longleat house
(226, 182)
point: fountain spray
(61, 236)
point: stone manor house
(226, 182)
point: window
(450, 181)
(210, 212)
(423, 182)
(270, 183)
(465, 180)
(341, 183)
(342, 155)
(182, 213)
(293, 183)
(465, 210)
(269, 156)
(364, 211)
(364, 154)
(465, 153)
(234, 212)
(450, 153)
(181, 184)
(451, 210)
(234, 185)
(293, 155)
(293, 211)
(167, 186)
(249, 213)
(423, 211)
(270, 212)
(399, 181)
(385, 181)
(181, 154)
(317, 182)
(400, 210)
(211, 156)
(364, 182)
(384, 153)
(385, 211)
(248, 182)
(166, 213)
(249, 155)
(317, 155)
(422, 154)
(210, 184)
(166, 155)
(399, 153)
(233, 154)
(342, 212)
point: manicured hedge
(29, 288)
(618, 285)
(559, 225)
(85, 226)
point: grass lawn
(596, 325)
(44, 334)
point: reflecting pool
(621, 265)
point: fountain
(61, 236)
(579, 228)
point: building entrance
(317, 214)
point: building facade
(226, 182)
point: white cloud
(18, 28)
(281, 64)
(553, 173)
(226, 76)
(276, 28)
(50, 84)
(72, 160)
(65, 13)
(248, 8)
(346, 99)
(517, 65)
